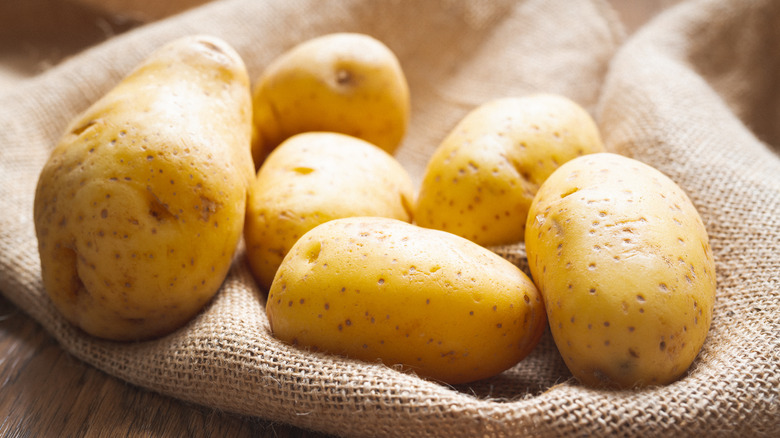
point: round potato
(429, 301)
(481, 180)
(345, 82)
(312, 178)
(140, 207)
(623, 261)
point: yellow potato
(139, 209)
(312, 178)
(344, 82)
(429, 301)
(623, 261)
(481, 180)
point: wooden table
(44, 391)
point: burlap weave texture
(693, 93)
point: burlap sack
(692, 93)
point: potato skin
(381, 289)
(482, 178)
(312, 178)
(343, 82)
(623, 261)
(140, 207)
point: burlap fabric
(693, 93)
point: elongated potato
(482, 178)
(382, 289)
(141, 205)
(623, 261)
(312, 178)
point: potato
(345, 82)
(623, 261)
(312, 178)
(140, 207)
(481, 180)
(380, 289)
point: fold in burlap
(693, 93)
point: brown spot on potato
(207, 208)
(344, 77)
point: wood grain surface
(46, 392)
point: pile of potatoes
(141, 207)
